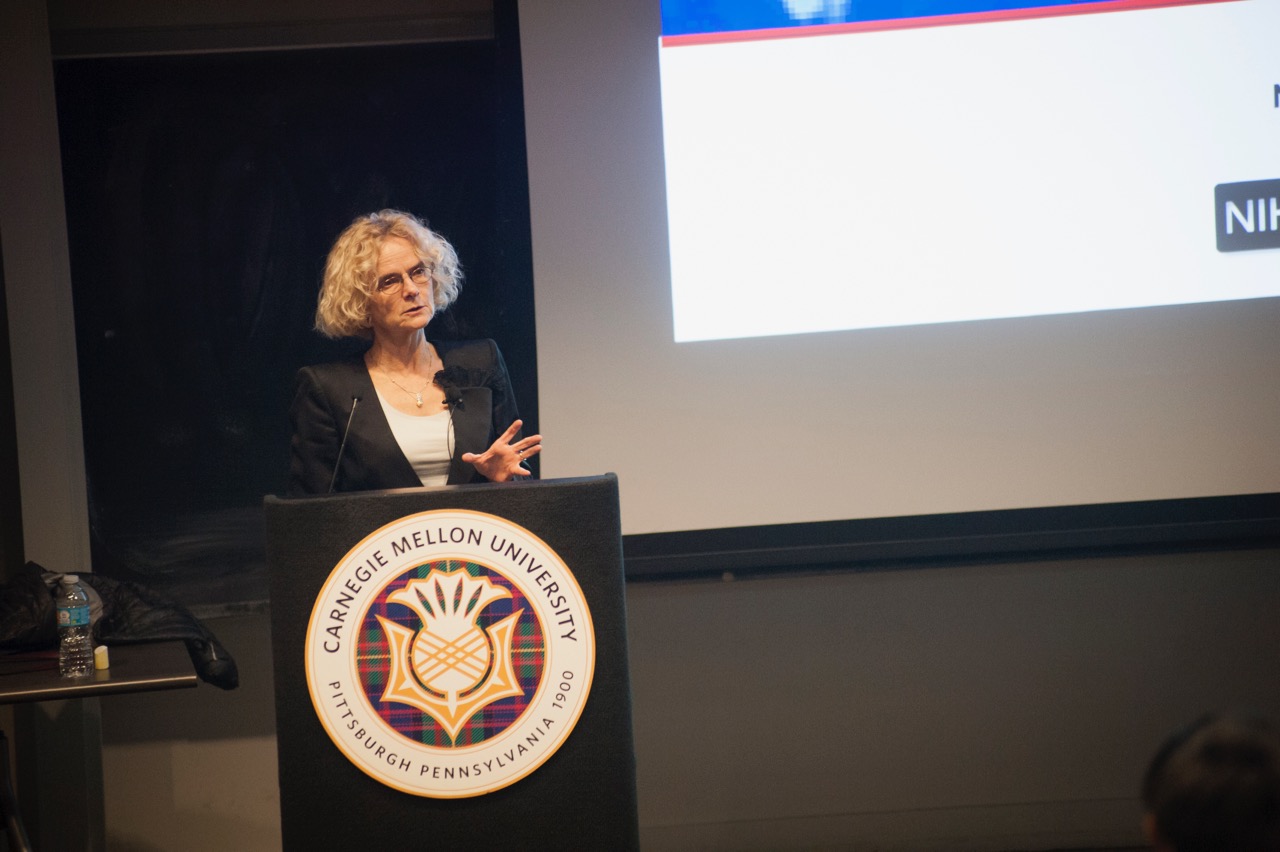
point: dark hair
(1215, 787)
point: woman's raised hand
(501, 462)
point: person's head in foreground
(1215, 787)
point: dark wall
(10, 490)
(203, 193)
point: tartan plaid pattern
(373, 660)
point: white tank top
(427, 442)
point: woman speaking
(409, 411)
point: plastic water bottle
(75, 650)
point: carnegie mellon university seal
(450, 653)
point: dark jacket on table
(476, 389)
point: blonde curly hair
(343, 308)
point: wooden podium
(326, 551)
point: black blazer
(476, 389)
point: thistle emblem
(451, 668)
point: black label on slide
(1248, 215)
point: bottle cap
(68, 579)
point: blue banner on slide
(700, 17)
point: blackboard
(203, 193)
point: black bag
(123, 613)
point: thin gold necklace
(417, 395)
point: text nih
(1248, 215)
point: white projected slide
(978, 171)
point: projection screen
(955, 265)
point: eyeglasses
(391, 285)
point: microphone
(452, 398)
(342, 446)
